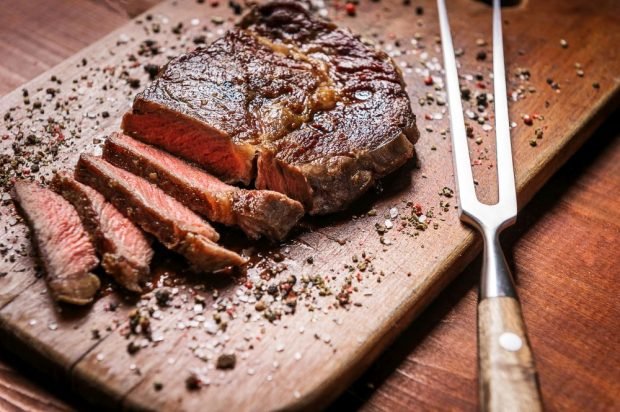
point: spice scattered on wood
(133, 82)
(193, 382)
(350, 9)
(447, 192)
(152, 70)
(226, 361)
(133, 347)
(200, 39)
(538, 133)
(236, 7)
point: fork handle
(507, 374)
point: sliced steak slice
(125, 253)
(174, 225)
(64, 247)
(256, 212)
(305, 108)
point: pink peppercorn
(350, 8)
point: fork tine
(462, 163)
(505, 169)
(470, 206)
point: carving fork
(507, 374)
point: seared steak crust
(64, 246)
(256, 212)
(125, 252)
(174, 225)
(305, 108)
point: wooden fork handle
(508, 378)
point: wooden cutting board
(308, 357)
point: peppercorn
(465, 93)
(192, 382)
(200, 39)
(152, 70)
(538, 133)
(235, 6)
(162, 296)
(350, 9)
(132, 347)
(226, 361)
(133, 82)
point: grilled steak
(174, 225)
(257, 212)
(64, 247)
(287, 99)
(125, 252)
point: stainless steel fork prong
(505, 169)
(462, 163)
(489, 219)
(507, 374)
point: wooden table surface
(564, 250)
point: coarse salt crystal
(210, 327)
(393, 212)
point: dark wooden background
(565, 251)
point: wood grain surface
(507, 379)
(36, 293)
